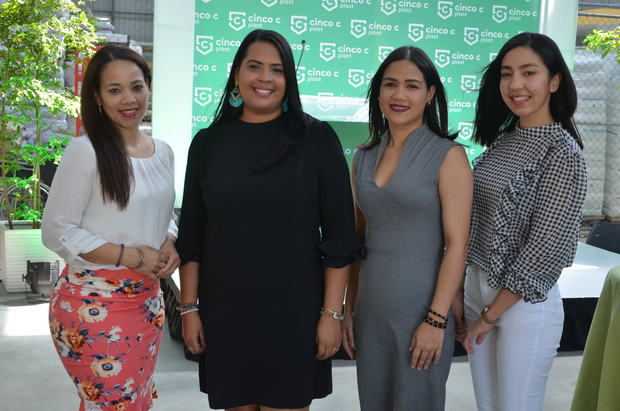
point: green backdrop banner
(345, 41)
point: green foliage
(36, 38)
(604, 41)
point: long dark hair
(295, 119)
(113, 164)
(493, 115)
(435, 113)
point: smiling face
(526, 86)
(403, 95)
(123, 94)
(261, 82)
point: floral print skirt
(106, 326)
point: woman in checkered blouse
(529, 186)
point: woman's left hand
(478, 330)
(426, 346)
(328, 337)
(170, 257)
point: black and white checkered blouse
(529, 188)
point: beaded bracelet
(120, 255)
(428, 320)
(443, 317)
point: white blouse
(76, 220)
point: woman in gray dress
(413, 192)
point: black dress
(262, 239)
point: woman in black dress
(265, 238)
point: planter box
(16, 247)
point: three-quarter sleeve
(554, 227)
(193, 216)
(339, 244)
(69, 195)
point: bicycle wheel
(17, 199)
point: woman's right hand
(348, 338)
(152, 263)
(193, 333)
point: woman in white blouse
(108, 216)
(529, 186)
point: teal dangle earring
(285, 105)
(235, 98)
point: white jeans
(511, 366)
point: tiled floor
(32, 378)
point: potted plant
(36, 38)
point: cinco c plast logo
(383, 52)
(325, 101)
(299, 24)
(358, 28)
(203, 95)
(204, 44)
(500, 13)
(416, 31)
(388, 7)
(236, 20)
(301, 74)
(442, 57)
(356, 77)
(471, 35)
(327, 51)
(466, 130)
(444, 9)
(469, 83)
(329, 5)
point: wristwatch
(484, 316)
(335, 315)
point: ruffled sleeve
(551, 240)
(339, 244)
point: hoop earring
(285, 105)
(235, 98)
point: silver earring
(100, 112)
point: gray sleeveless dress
(404, 241)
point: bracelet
(485, 318)
(189, 310)
(188, 306)
(120, 255)
(432, 322)
(142, 258)
(435, 313)
(335, 315)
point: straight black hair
(295, 120)
(435, 113)
(493, 115)
(113, 164)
